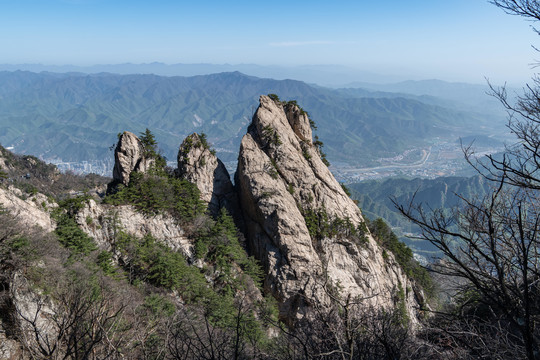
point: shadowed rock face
(282, 181)
(198, 164)
(129, 157)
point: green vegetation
(273, 171)
(151, 152)
(202, 142)
(32, 175)
(319, 144)
(402, 253)
(69, 233)
(218, 244)
(321, 226)
(351, 123)
(346, 189)
(270, 136)
(153, 194)
(375, 198)
(290, 188)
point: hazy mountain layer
(76, 117)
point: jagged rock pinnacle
(129, 157)
(198, 164)
(301, 224)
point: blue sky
(458, 40)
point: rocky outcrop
(31, 211)
(103, 222)
(129, 157)
(198, 164)
(300, 223)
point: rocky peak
(301, 224)
(198, 164)
(129, 156)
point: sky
(458, 40)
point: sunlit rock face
(129, 157)
(199, 165)
(285, 189)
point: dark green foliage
(402, 316)
(319, 144)
(105, 262)
(290, 188)
(270, 135)
(320, 226)
(72, 237)
(150, 261)
(219, 246)
(73, 205)
(274, 97)
(305, 152)
(312, 124)
(294, 103)
(69, 233)
(346, 189)
(402, 253)
(202, 142)
(157, 264)
(149, 143)
(159, 306)
(151, 151)
(155, 194)
(273, 171)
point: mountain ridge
(37, 108)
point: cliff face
(300, 223)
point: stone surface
(129, 157)
(280, 177)
(102, 222)
(199, 165)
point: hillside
(76, 117)
(375, 199)
(179, 263)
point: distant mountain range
(327, 75)
(76, 117)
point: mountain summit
(301, 224)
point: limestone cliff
(129, 156)
(198, 164)
(301, 224)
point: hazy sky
(457, 40)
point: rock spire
(301, 224)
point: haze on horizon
(461, 40)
